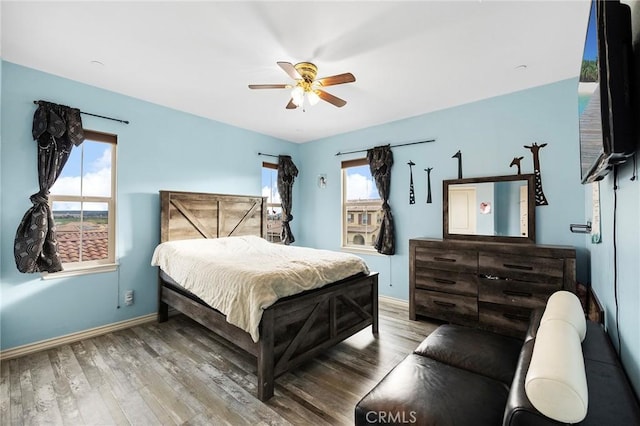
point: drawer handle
(517, 293)
(444, 259)
(443, 281)
(489, 277)
(444, 304)
(520, 267)
(516, 317)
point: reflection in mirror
(499, 208)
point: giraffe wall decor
(541, 200)
(428, 170)
(516, 162)
(412, 194)
(458, 155)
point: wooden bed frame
(294, 329)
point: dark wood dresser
(490, 285)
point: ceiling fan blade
(270, 86)
(334, 100)
(337, 79)
(290, 70)
(291, 105)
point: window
(274, 205)
(361, 205)
(83, 203)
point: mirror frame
(531, 207)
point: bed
(292, 330)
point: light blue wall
(627, 250)
(489, 133)
(620, 212)
(161, 149)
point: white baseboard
(74, 337)
(394, 301)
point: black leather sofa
(466, 376)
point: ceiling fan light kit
(304, 73)
(297, 95)
(303, 90)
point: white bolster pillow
(556, 383)
(565, 306)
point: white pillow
(565, 306)
(556, 383)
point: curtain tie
(40, 197)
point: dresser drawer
(448, 260)
(524, 268)
(502, 319)
(447, 281)
(515, 293)
(449, 307)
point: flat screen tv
(607, 128)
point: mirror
(495, 208)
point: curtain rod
(392, 146)
(268, 155)
(95, 115)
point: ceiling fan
(306, 85)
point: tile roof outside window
(95, 242)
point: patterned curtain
(287, 172)
(57, 128)
(380, 161)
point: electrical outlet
(128, 297)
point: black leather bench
(466, 376)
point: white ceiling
(408, 58)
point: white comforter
(241, 276)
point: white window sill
(358, 250)
(81, 270)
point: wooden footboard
(294, 329)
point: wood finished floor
(178, 372)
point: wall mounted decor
(541, 200)
(428, 184)
(412, 194)
(322, 181)
(516, 162)
(458, 155)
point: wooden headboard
(186, 215)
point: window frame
(99, 265)
(357, 217)
(272, 166)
